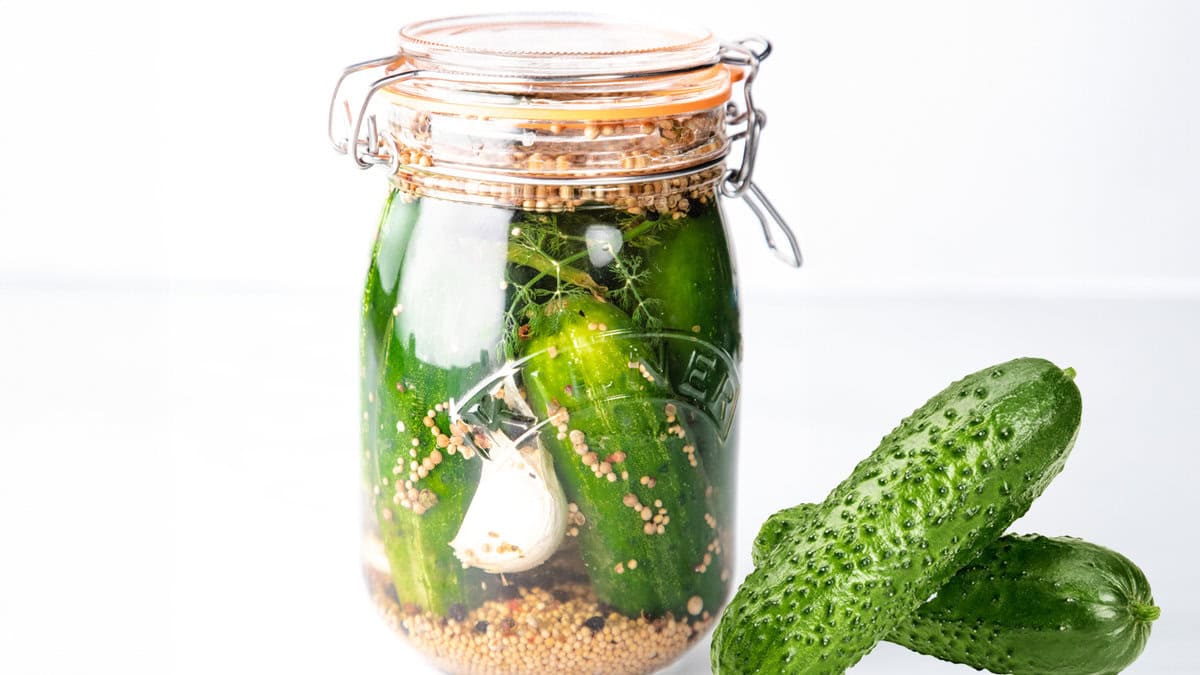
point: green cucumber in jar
(690, 277)
(940, 488)
(645, 525)
(1027, 605)
(417, 518)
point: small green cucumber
(939, 488)
(623, 454)
(1028, 605)
(416, 518)
(689, 275)
(1032, 605)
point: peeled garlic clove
(518, 516)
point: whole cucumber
(940, 488)
(419, 489)
(1028, 605)
(690, 276)
(623, 453)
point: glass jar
(550, 337)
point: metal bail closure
(374, 149)
(738, 182)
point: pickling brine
(547, 431)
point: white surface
(223, 513)
(180, 254)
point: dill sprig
(538, 243)
(627, 296)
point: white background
(180, 255)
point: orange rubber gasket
(608, 114)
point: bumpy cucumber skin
(1034, 605)
(587, 372)
(939, 488)
(775, 529)
(1028, 605)
(424, 570)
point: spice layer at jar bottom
(549, 430)
(560, 628)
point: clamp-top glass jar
(550, 336)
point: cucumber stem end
(1145, 612)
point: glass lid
(555, 44)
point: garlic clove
(518, 516)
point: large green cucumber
(399, 389)
(1028, 605)
(939, 489)
(586, 371)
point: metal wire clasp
(373, 149)
(748, 54)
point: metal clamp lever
(749, 53)
(768, 217)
